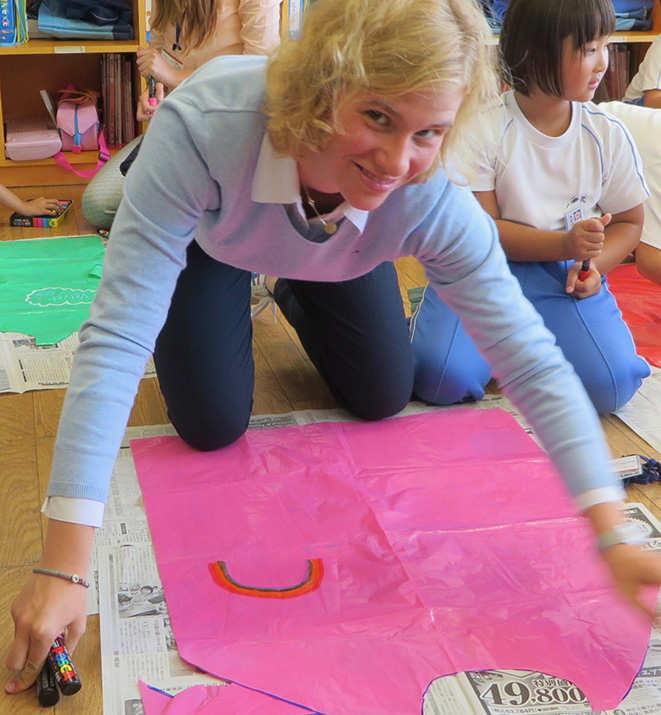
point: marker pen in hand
(47, 692)
(62, 667)
(585, 270)
(151, 83)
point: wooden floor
(286, 381)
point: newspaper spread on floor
(25, 366)
(643, 412)
(137, 640)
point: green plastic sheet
(47, 285)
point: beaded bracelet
(73, 577)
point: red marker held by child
(585, 270)
(585, 265)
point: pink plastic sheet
(447, 541)
(640, 303)
(215, 700)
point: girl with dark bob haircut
(532, 51)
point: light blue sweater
(193, 178)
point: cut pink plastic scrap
(215, 700)
(446, 542)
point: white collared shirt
(276, 181)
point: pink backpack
(80, 130)
(78, 119)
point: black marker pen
(47, 692)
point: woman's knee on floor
(378, 393)
(211, 431)
(383, 403)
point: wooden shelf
(618, 37)
(41, 46)
(85, 157)
(634, 36)
(648, 36)
(642, 37)
(46, 63)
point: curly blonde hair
(384, 47)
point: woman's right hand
(49, 606)
(45, 608)
(633, 568)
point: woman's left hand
(632, 568)
(580, 289)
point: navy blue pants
(354, 332)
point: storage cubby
(51, 64)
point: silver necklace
(329, 226)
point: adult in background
(184, 35)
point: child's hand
(41, 207)
(151, 62)
(145, 110)
(585, 239)
(580, 289)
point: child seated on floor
(644, 124)
(564, 183)
(645, 87)
(31, 207)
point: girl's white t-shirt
(541, 181)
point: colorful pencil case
(46, 221)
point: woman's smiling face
(385, 143)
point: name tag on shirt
(573, 213)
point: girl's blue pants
(590, 332)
